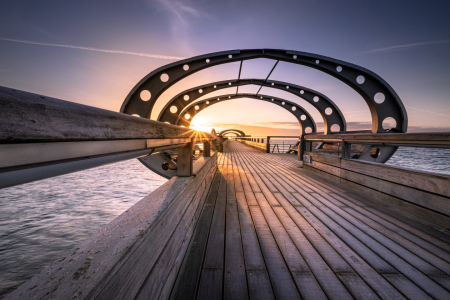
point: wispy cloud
(431, 112)
(95, 49)
(404, 47)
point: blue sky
(94, 52)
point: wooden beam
(184, 160)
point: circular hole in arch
(186, 67)
(316, 99)
(230, 56)
(260, 97)
(272, 99)
(328, 111)
(282, 103)
(207, 102)
(218, 99)
(360, 79)
(200, 91)
(339, 68)
(207, 60)
(187, 116)
(294, 108)
(186, 97)
(173, 109)
(389, 123)
(197, 107)
(295, 56)
(375, 152)
(164, 77)
(379, 98)
(317, 61)
(303, 117)
(229, 83)
(273, 83)
(335, 128)
(302, 92)
(145, 95)
(308, 130)
(215, 86)
(229, 97)
(287, 87)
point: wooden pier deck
(268, 230)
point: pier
(323, 219)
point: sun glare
(202, 127)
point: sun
(202, 127)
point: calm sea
(42, 220)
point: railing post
(184, 160)
(346, 149)
(301, 148)
(268, 145)
(207, 149)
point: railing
(271, 144)
(42, 137)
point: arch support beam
(304, 118)
(382, 100)
(329, 111)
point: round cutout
(230, 56)
(317, 62)
(294, 57)
(287, 87)
(360, 79)
(229, 97)
(302, 92)
(207, 60)
(335, 128)
(186, 67)
(379, 98)
(294, 108)
(164, 77)
(339, 68)
(207, 102)
(316, 99)
(200, 91)
(273, 83)
(197, 107)
(328, 110)
(186, 97)
(303, 117)
(282, 103)
(187, 116)
(215, 86)
(308, 130)
(173, 109)
(272, 99)
(389, 123)
(145, 95)
(229, 83)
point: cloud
(96, 49)
(404, 47)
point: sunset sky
(94, 52)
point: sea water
(40, 221)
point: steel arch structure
(304, 118)
(236, 131)
(329, 111)
(382, 100)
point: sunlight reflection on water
(41, 220)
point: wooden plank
(189, 275)
(426, 181)
(185, 161)
(282, 283)
(235, 280)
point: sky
(95, 52)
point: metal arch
(323, 102)
(156, 83)
(299, 111)
(223, 132)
